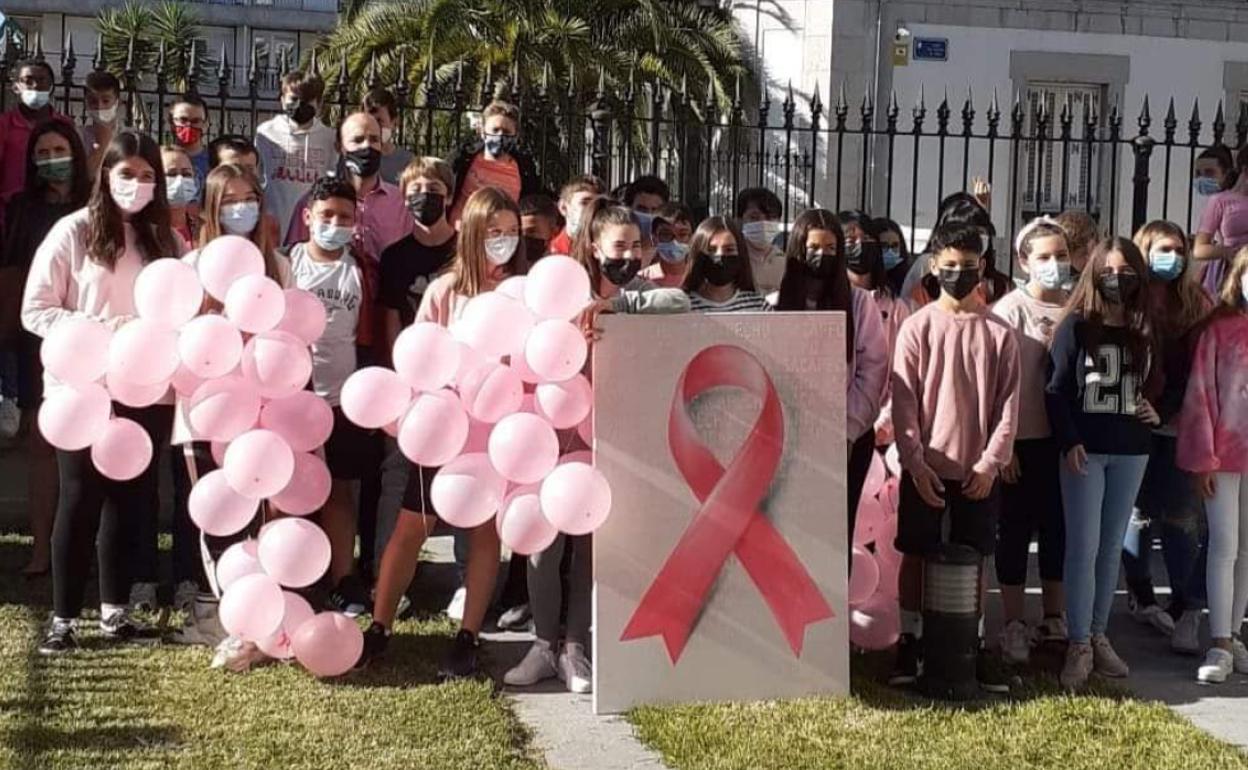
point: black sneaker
(993, 675)
(909, 661)
(461, 661)
(349, 597)
(376, 639)
(60, 639)
(119, 626)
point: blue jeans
(1097, 506)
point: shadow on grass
(31, 742)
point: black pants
(859, 463)
(95, 511)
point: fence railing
(1037, 157)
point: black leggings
(94, 510)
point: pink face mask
(131, 195)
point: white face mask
(240, 218)
(131, 195)
(761, 233)
(1050, 274)
(180, 190)
(500, 249)
(35, 100)
(108, 115)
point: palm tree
(132, 36)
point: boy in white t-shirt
(326, 266)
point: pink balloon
(309, 487)
(557, 287)
(217, 449)
(391, 429)
(237, 561)
(513, 287)
(258, 464)
(469, 361)
(255, 303)
(303, 418)
(582, 456)
(122, 451)
(226, 259)
(298, 611)
(478, 436)
(223, 409)
(434, 430)
(252, 607)
(210, 346)
(890, 574)
(305, 316)
(875, 624)
(426, 356)
(144, 352)
(556, 350)
(467, 491)
(890, 495)
(374, 396)
(521, 525)
(586, 429)
(576, 498)
(279, 363)
(870, 516)
(184, 382)
(168, 292)
(875, 476)
(494, 324)
(73, 416)
(216, 508)
(522, 370)
(565, 404)
(136, 396)
(328, 645)
(491, 392)
(294, 551)
(864, 575)
(523, 448)
(76, 350)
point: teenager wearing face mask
(815, 278)
(295, 147)
(87, 267)
(539, 222)
(573, 197)
(1213, 431)
(759, 210)
(381, 104)
(671, 257)
(719, 279)
(1030, 490)
(182, 192)
(32, 83)
(1104, 379)
(57, 184)
(1168, 504)
(241, 151)
(955, 412)
(494, 159)
(893, 252)
(486, 254)
(188, 122)
(1223, 228)
(610, 248)
(101, 95)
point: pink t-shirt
(1213, 425)
(441, 304)
(955, 392)
(1226, 217)
(1033, 322)
(893, 312)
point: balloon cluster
(483, 401)
(875, 622)
(241, 376)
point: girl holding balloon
(85, 272)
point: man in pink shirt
(33, 84)
(955, 412)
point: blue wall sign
(931, 49)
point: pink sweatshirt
(869, 375)
(892, 313)
(1213, 425)
(1033, 322)
(955, 392)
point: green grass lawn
(161, 707)
(882, 728)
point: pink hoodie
(869, 368)
(1213, 426)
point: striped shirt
(741, 302)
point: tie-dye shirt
(1213, 426)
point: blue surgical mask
(1166, 265)
(181, 190)
(672, 252)
(1207, 186)
(1050, 274)
(35, 100)
(240, 218)
(331, 237)
(892, 258)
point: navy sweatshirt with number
(1092, 394)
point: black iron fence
(1038, 155)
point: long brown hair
(700, 254)
(471, 267)
(599, 214)
(837, 293)
(1086, 302)
(210, 215)
(106, 235)
(1183, 301)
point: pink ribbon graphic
(729, 520)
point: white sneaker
(575, 670)
(10, 418)
(1240, 653)
(1015, 640)
(1186, 637)
(143, 597)
(233, 654)
(455, 610)
(184, 595)
(1155, 616)
(1217, 666)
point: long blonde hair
(471, 267)
(1184, 302)
(210, 215)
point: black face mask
(621, 271)
(723, 271)
(300, 112)
(959, 283)
(534, 248)
(1118, 288)
(426, 207)
(862, 259)
(364, 162)
(819, 264)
